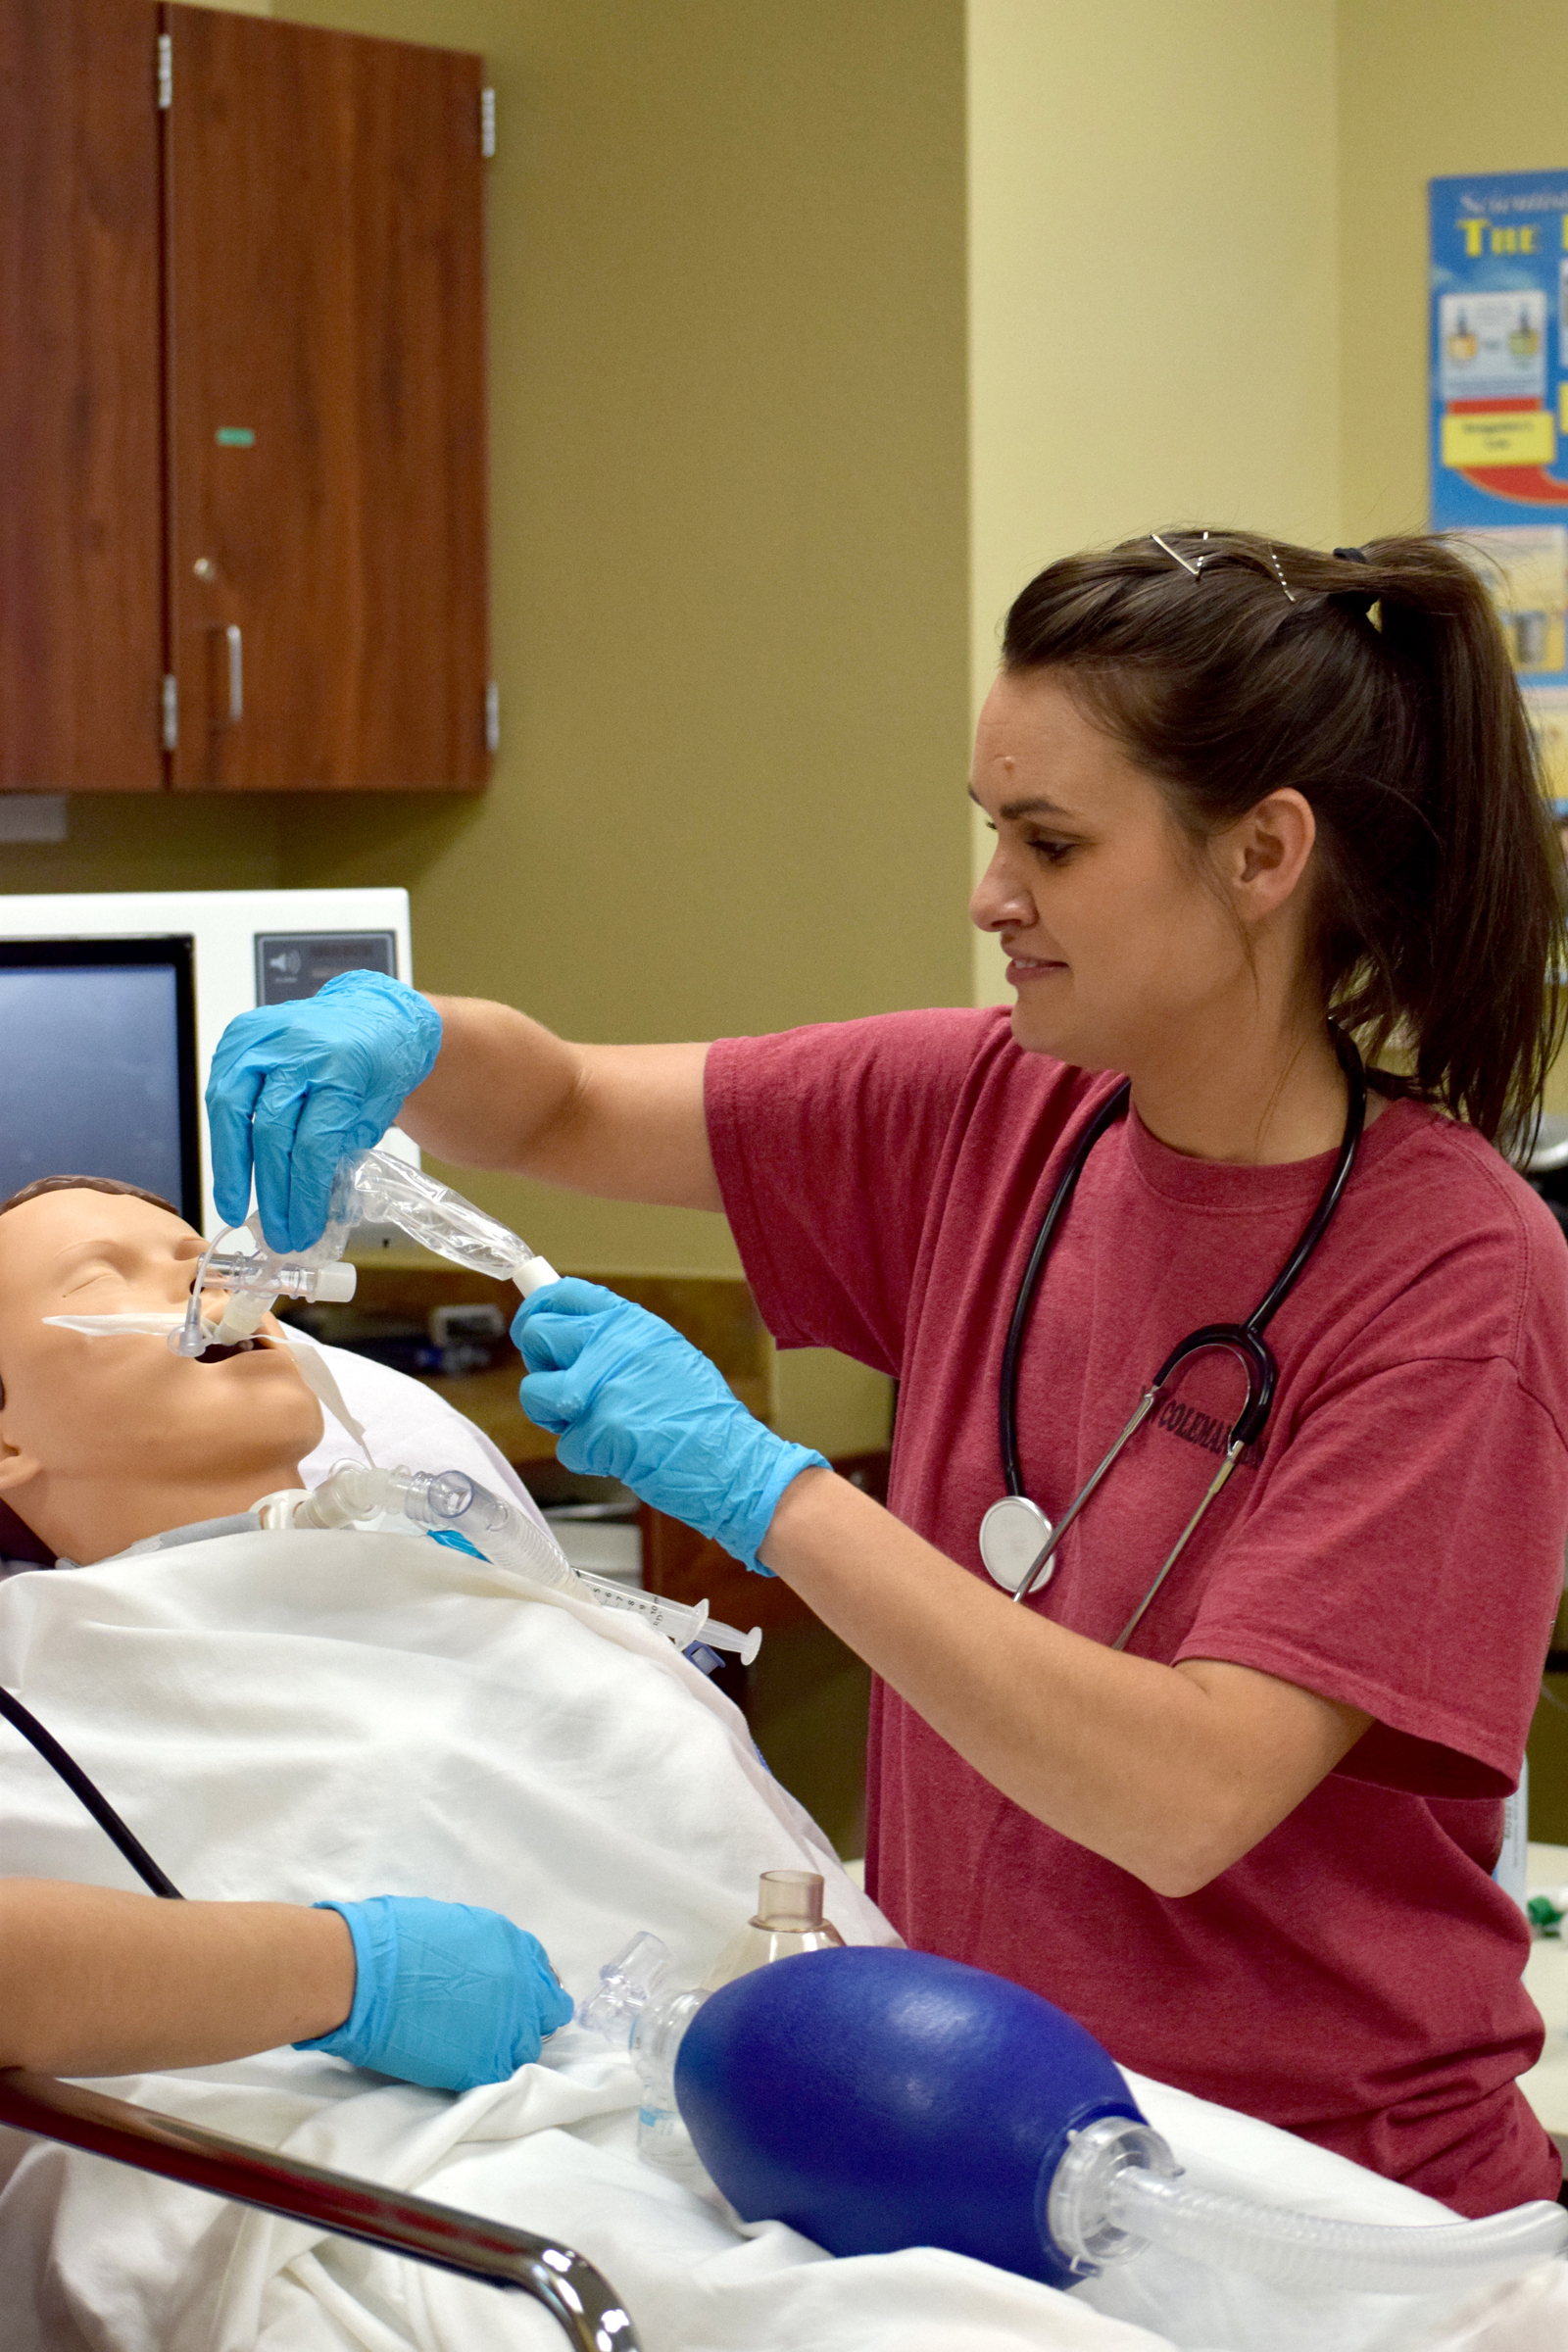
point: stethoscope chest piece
(1013, 1533)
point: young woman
(1240, 1820)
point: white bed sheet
(309, 1714)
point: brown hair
(85, 1184)
(1439, 902)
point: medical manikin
(108, 1446)
(295, 1715)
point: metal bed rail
(577, 2295)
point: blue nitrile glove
(444, 1994)
(300, 1085)
(630, 1398)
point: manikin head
(106, 1441)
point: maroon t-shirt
(1396, 1543)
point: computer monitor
(102, 1067)
(98, 1064)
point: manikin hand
(630, 1398)
(444, 1994)
(295, 1088)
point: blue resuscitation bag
(877, 2099)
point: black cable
(103, 1812)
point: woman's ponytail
(1376, 683)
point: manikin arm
(93, 1981)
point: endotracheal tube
(369, 1187)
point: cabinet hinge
(487, 123)
(166, 71)
(170, 714)
(492, 718)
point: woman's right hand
(296, 1087)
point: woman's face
(1120, 950)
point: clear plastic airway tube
(374, 1185)
(1301, 2250)
(1117, 2188)
(442, 1501)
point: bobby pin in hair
(1196, 570)
(1279, 574)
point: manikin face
(122, 1424)
(1117, 946)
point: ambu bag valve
(878, 2100)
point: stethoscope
(1017, 1542)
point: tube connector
(1079, 2207)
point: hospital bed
(556, 2145)
(569, 2287)
(401, 1418)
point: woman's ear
(1266, 854)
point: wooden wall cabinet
(242, 405)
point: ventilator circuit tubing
(1302, 2251)
(451, 1503)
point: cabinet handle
(237, 674)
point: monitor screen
(98, 1064)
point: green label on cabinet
(235, 436)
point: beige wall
(1153, 330)
(729, 539)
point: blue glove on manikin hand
(444, 1994)
(298, 1086)
(630, 1398)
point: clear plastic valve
(255, 1277)
(374, 1185)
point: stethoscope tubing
(1245, 1341)
(87, 1793)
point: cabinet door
(82, 623)
(325, 362)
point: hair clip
(1196, 570)
(1352, 555)
(1279, 574)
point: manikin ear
(17, 1468)
(1266, 854)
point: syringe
(450, 1501)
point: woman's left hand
(629, 1399)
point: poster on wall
(1500, 416)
